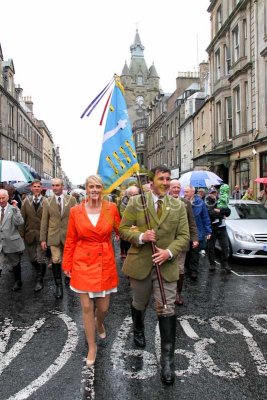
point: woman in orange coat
(89, 259)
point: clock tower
(141, 86)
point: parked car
(247, 229)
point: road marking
(244, 275)
(60, 361)
(88, 379)
(20, 344)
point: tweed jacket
(30, 230)
(172, 232)
(10, 239)
(191, 220)
(53, 224)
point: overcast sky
(65, 52)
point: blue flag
(118, 159)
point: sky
(66, 51)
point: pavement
(221, 347)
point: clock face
(139, 100)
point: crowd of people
(157, 247)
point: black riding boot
(17, 275)
(39, 277)
(167, 327)
(58, 281)
(43, 269)
(138, 327)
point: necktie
(2, 214)
(159, 209)
(59, 204)
(36, 203)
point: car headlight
(243, 237)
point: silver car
(247, 229)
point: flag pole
(148, 223)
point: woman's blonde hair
(95, 179)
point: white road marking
(60, 361)
(6, 359)
(246, 275)
(119, 355)
(88, 379)
(240, 329)
(254, 322)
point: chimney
(29, 103)
(203, 72)
(18, 91)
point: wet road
(221, 348)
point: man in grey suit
(31, 210)
(11, 243)
(54, 226)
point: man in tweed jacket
(170, 234)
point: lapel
(7, 213)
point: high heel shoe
(90, 362)
(102, 334)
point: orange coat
(88, 251)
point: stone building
(48, 144)
(20, 140)
(141, 85)
(238, 76)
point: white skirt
(94, 295)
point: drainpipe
(256, 156)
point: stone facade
(238, 89)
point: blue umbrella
(200, 179)
(31, 170)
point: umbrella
(200, 179)
(261, 180)
(31, 170)
(14, 171)
(22, 187)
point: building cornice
(240, 71)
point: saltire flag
(118, 159)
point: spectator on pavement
(249, 195)
(89, 259)
(11, 243)
(170, 233)
(175, 189)
(54, 228)
(236, 193)
(31, 210)
(263, 196)
(217, 217)
(203, 227)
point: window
(242, 175)
(168, 133)
(237, 110)
(219, 18)
(11, 115)
(172, 129)
(236, 43)
(227, 60)
(202, 120)
(228, 108)
(245, 37)
(140, 80)
(218, 64)
(247, 105)
(219, 121)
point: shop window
(242, 175)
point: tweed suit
(54, 225)
(172, 233)
(30, 230)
